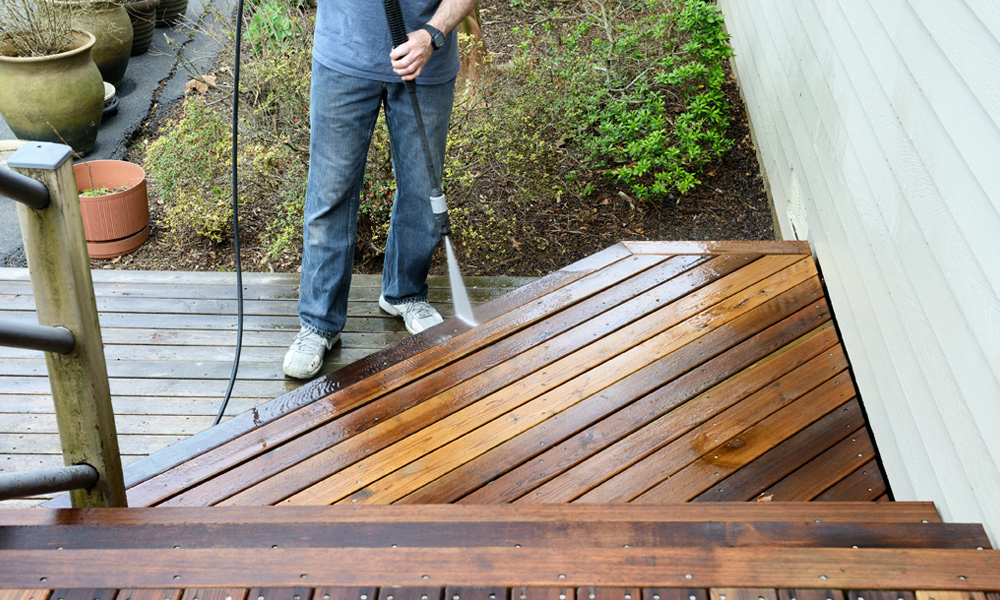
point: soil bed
(729, 204)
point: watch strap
(437, 38)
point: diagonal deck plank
(648, 373)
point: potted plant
(109, 22)
(114, 204)
(50, 88)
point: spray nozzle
(439, 206)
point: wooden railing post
(64, 296)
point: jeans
(342, 118)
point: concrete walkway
(153, 82)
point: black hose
(236, 217)
(397, 29)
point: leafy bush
(189, 166)
(631, 89)
(271, 25)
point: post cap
(40, 155)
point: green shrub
(189, 167)
(632, 89)
(271, 25)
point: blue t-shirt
(352, 37)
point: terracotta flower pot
(116, 223)
(56, 98)
(143, 15)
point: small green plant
(270, 25)
(188, 167)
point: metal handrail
(42, 181)
(36, 337)
(24, 189)
(47, 481)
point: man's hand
(409, 59)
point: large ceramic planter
(57, 98)
(170, 12)
(143, 16)
(110, 24)
(116, 223)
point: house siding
(878, 127)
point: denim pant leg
(342, 118)
(412, 235)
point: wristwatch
(437, 38)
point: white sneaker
(305, 356)
(417, 316)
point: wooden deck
(648, 373)
(169, 342)
(717, 551)
(544, 454)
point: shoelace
(309, 342)
(419, 310)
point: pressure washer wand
(439, 204)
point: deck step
(766, 525)
(571, 566)
(791, 512)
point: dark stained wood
(817, 475)
(891, 569)
(527, 534)
(865, 483)
(743, 594)
(590, 370)
(687, 423)
(810, 594)
(542, 593)
(881, 594)
(476, 593)
(211, 593)
(751, 480)
(608, 593)
(150, 594)
(723, 459)
(345, 593)
(650, 373)
(280, 594)
(839, 512)
(410, 593)
(674, 594)
(721, 353)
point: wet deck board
(582, 551)
(648, 373)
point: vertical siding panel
(968, 452)
(846, 116)
(867, 229)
